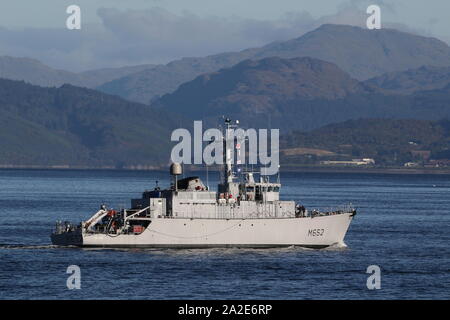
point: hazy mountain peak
(260, 87)
(360, 52)
(35, 72)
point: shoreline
(392, 170)
(311, 169)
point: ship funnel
(175, 170)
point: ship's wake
(337, 246)
(229, 250)
(28, 247)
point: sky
(117, 33)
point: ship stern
(66, 235)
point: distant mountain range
(79, 127)
(298, 93)
(331, 75)
(257, 91)
(362, 53)
(35, 72)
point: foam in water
(27, 247)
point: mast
(228, 146)
(228, 154)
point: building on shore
(353, 162)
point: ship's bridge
(261, 191)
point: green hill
(388, 141)
(79, 127)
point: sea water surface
(402, 226)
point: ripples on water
(402, 226)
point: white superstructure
(245, 213)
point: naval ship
(245, 211)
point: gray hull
(318, 232)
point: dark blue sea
(402, 226)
